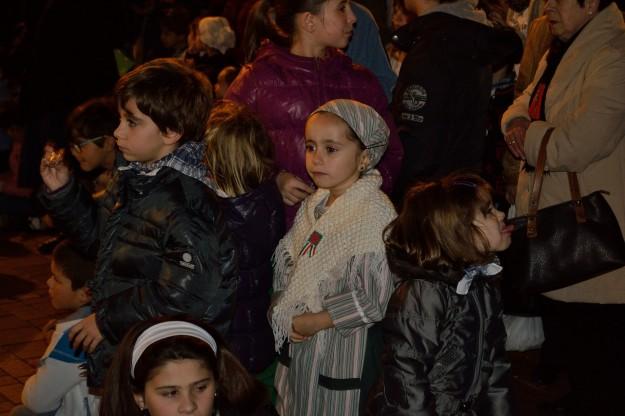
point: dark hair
(239, 153)
(173, 95)
(236, 388)
(75, 266)
(274, 20)
(435, 228)
(93, 118)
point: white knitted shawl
(303, 259)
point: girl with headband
(178, 366)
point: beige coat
(586, 104)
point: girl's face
(334, 24)
(333, 160)
(493, 228)
(180, 387)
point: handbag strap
(580, 212)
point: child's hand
(54, 172)
(292, 188)
(308, 324)
(85, 334)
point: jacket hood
(462, 35)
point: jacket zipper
(480, 346)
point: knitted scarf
(313, 247)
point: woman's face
(567, 17)
(180, 387)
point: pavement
(25, 309)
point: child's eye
(131, 123)
(310, 147)
(169, 393)
(331, 149)
(202, 387)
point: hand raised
(54, 171)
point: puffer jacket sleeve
(198, 277)
(411, 328)
(74, 211)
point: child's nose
(118, 131)
(49, 282)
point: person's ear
(139, 400)
(109, 143)
(84, 295)
(365, 160)
(308, 22)
(170, 137)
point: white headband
(168, 329)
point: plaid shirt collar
(186, 159)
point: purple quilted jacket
(283, 89)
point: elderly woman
(579, 89)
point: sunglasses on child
(78, 146)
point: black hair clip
(374, 145)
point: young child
(59, 387)
(331, 277)
(239, 157)
(164, 248)
(91, 126)
(443, 333)
(179, 366)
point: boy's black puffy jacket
(440, 101)
(162, 249)
(444, 352)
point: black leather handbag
(563, 244)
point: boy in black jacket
(162, 247)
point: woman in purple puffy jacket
(299, 66)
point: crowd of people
(277, 207)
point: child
(163, 249)
(239, 157)
(92, 144)
(331, 278)
(171, 367)
(444, 336)
(58, 386)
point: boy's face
(139, 138)
(61, 293)
(91, 156)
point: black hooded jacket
(441, 98)
(444, 352)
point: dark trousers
(588, 340)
